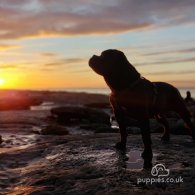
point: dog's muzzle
(93, 60)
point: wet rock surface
(102, 105)
(90, 164)
(54, 130)
(80, 157)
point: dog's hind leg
(166, 135)
(186, 116)
(147, 153)
(189, 124)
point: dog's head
(109, 62)
(115, 68)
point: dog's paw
(120, 146)
(147, 165)
(147, 155)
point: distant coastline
(104, 91)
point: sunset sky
(47, 43)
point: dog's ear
(119, 64)
(112, 57)
(122, 60)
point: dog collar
(130, 86)
(135, 82)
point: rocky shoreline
(64, 144)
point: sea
(107, 91)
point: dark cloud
(30, 18)
(189, 50)
(64, 62)
(167, 62)
(48, 54)
(81, 70)
(185, 72)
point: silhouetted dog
(138, 98)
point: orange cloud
(8, 66)
(48, 54)
(6, 46)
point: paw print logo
(160, 171)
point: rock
(72, 115)
(101, 105)
(172, 114)
(54, 130)
(18, 103)
(156, 127)
(179, 128)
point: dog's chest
(129, 100)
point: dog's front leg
(120, 118)
(147, 153)
(119, 115)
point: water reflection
(44, 106)
(132, 160)
(135, 161)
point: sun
(2, 82)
